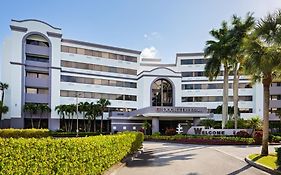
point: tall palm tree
(3, 110)
(61, 112)
(32, 110)
(70, 110)
(263, 62)
(218, 53)
(82, 108)
(43, 108)
(93, 111)
(103, 105)
(3, 87)
(240, 29)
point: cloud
(149, 52)
(151, 36)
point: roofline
(25, 20)
(100, 46)
(190, 54)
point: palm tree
(103, 104)
(146, 125)
(263, 62)
(31, 109)
(83, 108)
(3, 110)
(218, 52)
(70, 110)
(240, 29)
(61, 112)
(3, 87)
(43, 108)
(255, 123)
(93, 111)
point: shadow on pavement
(240, 170)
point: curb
(114, 169)
(262, 167)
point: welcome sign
(200, 130)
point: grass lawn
(268, 161)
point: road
(188, 159)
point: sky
(158, 28)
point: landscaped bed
(88, 155)
(203, 139)
(268, 161)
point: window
(134, 128)
(198, 74)
(64, 48)
(185, 62)
(187, 99)
(43, 75)
(37, 58)
(43, 91)
(37, 43)
(199, 61)
(187, 74)
(187, 86)
(88, 52)
(31, 74)
(80, 51)
(124, 127)
(31, 90)
(72, 50)
(162, 93)
(114, 128)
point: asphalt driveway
(187, 159)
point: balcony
(37, 82)
(36, 98)
(275, 103)
(36, 50)
(276, 90)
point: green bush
(156, 134)
(46, 156)
(24, 133)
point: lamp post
(77, 130)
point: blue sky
(160, 28)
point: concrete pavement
(187, 159)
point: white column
(155, 125)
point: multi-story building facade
(41, 66)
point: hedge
(202, 139)
(24, 133)
(46, 156)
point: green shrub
(156, 134)
(275, 139)
(46, 156)
(24, 133)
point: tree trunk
(89, 125)
(225, 96)
(84, 118)
(31, 119)
(235, 95)
(95, 125)
(101, 123)
(40, 120)
(266, 84)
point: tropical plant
(93, 111)
(217, 51)
(103, 105)
(83, 108)
(208, 123)
(43, 108)
(254, 123)
(3, 87)
(70, 110)
(3, 110)
(146, 125)
(240, 29)
(61, 112)
(32, 109)
(263, 62)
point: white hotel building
(41, 66)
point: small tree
(93, 111)
(254, 123)
(83, 108)
(32, 110)
(146, 125)
(43, 108)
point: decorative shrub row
(202, 139)
(24, 133)
(46, 156)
